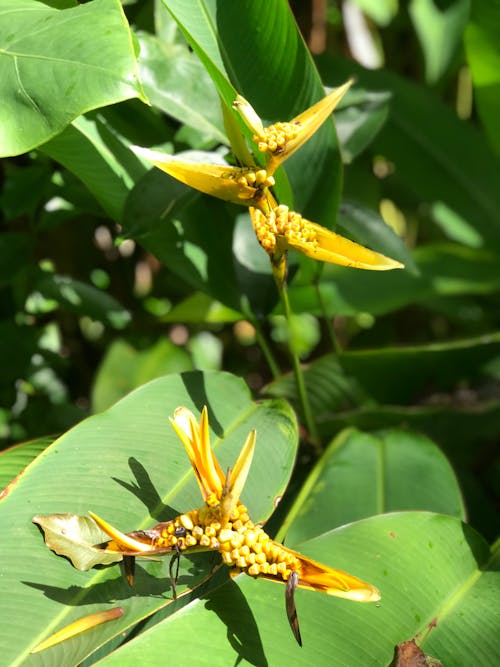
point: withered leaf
(75, 536)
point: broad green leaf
(439, 29)
(128, 466)
(93, 149)
(337, 383)
(358, 120)
(379, 472)
(59, 63)
(176, 82)
(124, 368)
(445, 270)
(420, 139)
(15, 459)
(408, 370)
(82, 299)
(482, 46)
(328, 387)
(430, 568)
(368, 228)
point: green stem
(297, 369)
(337, 348)
(247, 311)
(266, 350)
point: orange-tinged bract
(222, 524)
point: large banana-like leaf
(128, 466)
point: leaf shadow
(145, 585)
(146, 492)
(231, 606)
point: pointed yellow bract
(234, 184)
(281, 140)
(281, 229)
(196, 440)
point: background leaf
(379, 472)
(439, 28)
(135, 474)
(483, 55)
(419, 138)
(443, 567)
(59, 63)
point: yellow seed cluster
(242, 544)
(185, 532)
(275, 137)
(249, 178)
(282, 222)
(249, 548)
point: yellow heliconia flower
(277, 228)
(282, 229)
(222, 524)
(280, 140)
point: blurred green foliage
(112, 274)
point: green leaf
(176, 82)
(420, 139)
(457, 427)
(368, 228)
(328, 387)
(129, 467)
(15, 459)
(359, 118)
(93, 150)
(59, 63)
(380, 472)
(430, 568)
(398, 375)
(83, 299)
(483, 55)
(443, 270)
(380, 11)
(125, 368)
(439, 29)
(200, 308)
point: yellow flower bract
(277, 228)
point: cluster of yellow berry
(274, 138)
(242, 544)
(281, 222)
(256, 179)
